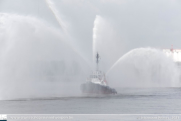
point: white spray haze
(141, 67)
(65, 27)
(53, 9)
(145, 67)
(36, 61)
(107, 42)
(95, 36)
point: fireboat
(97, 83)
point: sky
(124, 24)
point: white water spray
(144, 67)
(95, 36)
(107, 42)
(36, 61)
(53, 9)
(64, 25)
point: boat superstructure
(96, 83)
(97, 77)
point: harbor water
(127, 101)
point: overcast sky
(128, 24)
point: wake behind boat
(97, 83)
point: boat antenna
(97, 60)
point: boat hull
(92, 88)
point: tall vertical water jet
(145, 67)
(107, 42)
(95, 37)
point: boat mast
(97, 61)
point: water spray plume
(121, 58)
(36, 61)
(105, 42)
(95, 36)
(145, 67)
(63, 24)
(53, 9)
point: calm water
(127, 101)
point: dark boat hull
(92, 88)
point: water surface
(127, 101)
